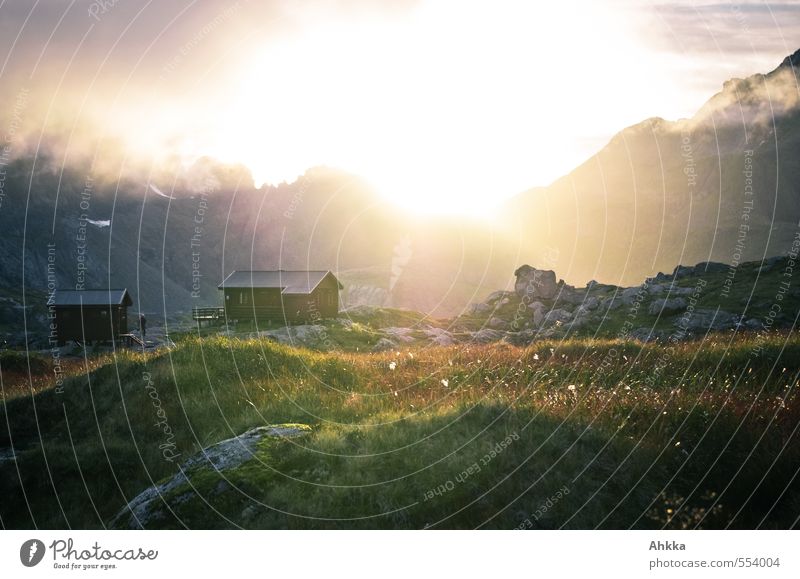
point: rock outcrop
(535, 283)
(157, 502)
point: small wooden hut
(281, 295)
(99, 315)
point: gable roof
(94, 297)
(289, 282)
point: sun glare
(445, 110)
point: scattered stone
(384, 344)
(498, 324)
(439, 336)
(611, 303)
(557, 316)
(486, 336)
(628, 295)
(474, 309)
(666, 305)
(399, 334)
(705, 319)
(538, 309)
(523, 338)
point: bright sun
(450, 108)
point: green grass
(648, 436)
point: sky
(443, 106)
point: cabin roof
(92, 297)
(289, 282)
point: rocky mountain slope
(723, 186)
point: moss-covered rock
(205, 475)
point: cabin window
(243, 298)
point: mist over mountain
(172, 241)
(720, 186)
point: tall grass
(693, 434)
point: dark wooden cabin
(90, 315)
(281, 296)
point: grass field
(575, 434)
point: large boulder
(155, 505)
(535, 283)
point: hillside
(573, 434)
(547, 407)
(720, 186)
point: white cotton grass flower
(571, 387)
(536, 356)
(445, 382)
(392, 365)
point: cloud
(739, 38)
(486, 85)
(158, 191)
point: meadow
(580, 433)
